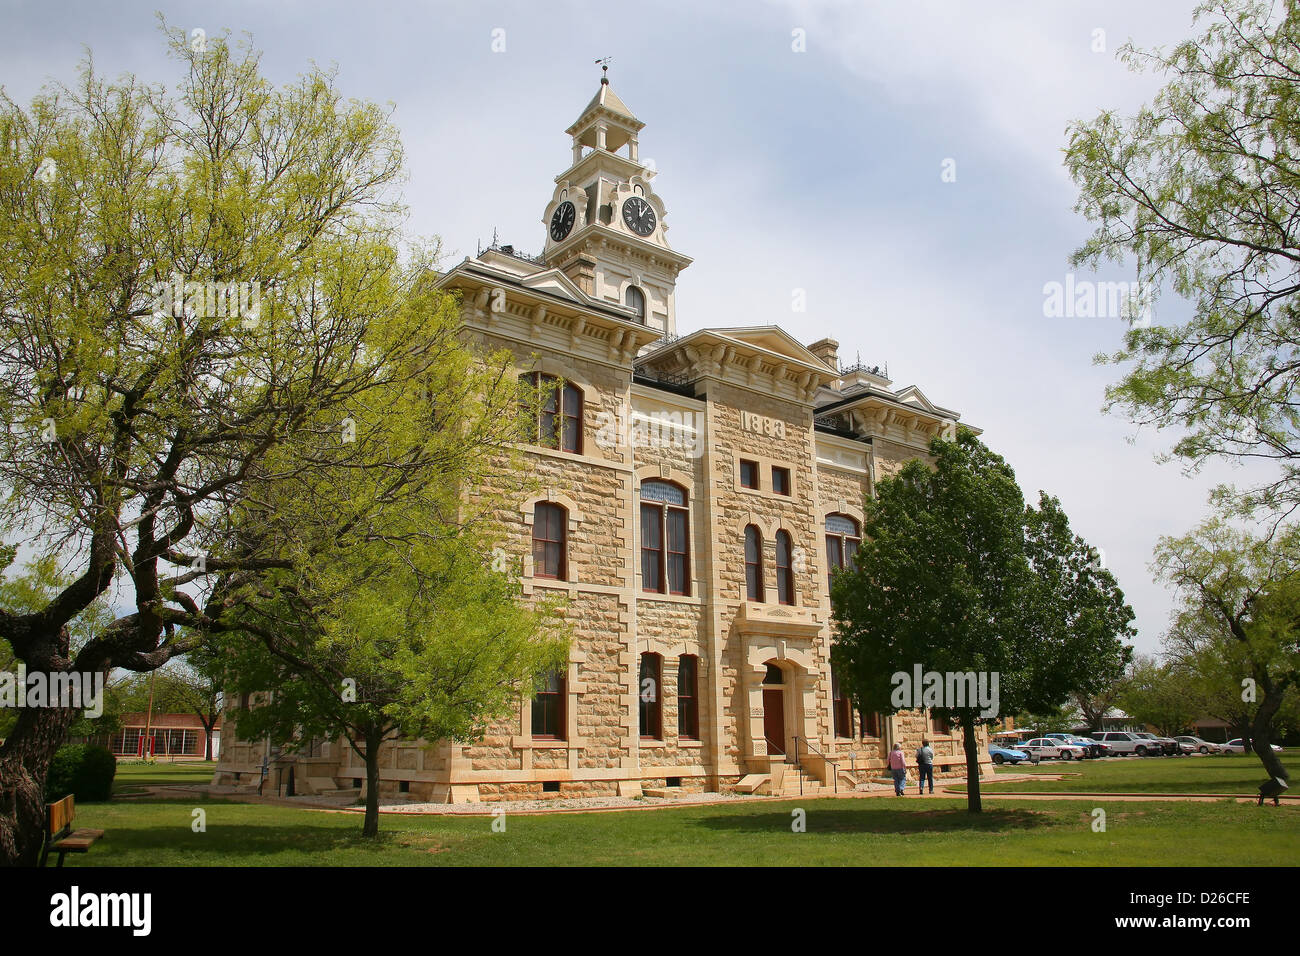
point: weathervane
(604, 70)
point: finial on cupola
(604, 70)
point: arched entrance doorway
(774, 686)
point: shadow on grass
(838, 820)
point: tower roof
(605, 103)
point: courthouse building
(698, 489)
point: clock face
(638, 216)
(562, 220)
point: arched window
(634, 299)
(651, 697)
(665, 538)
(753, 563)
(842, 542)
(688, 697)
(784, 568)
(558, 424)
(843, 706)
(550, 558)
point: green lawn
(1239, 774)
(885, 831)
(135, 777)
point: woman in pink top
(898, 767)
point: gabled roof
(911, 395)
(773, 338)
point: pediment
(556, 283)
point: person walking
(898, 767)
(925, 765)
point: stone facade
(598, 311)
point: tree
(202, 298)
(429, 643)
(1160, 694)
(1201, 189)
(1240, 610)
(957, 575)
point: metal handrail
(835, 764)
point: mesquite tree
(203, 300)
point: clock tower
(605, 224)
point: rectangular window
(870, 724)
(748, 474)
(652, 547)
(688, 700)
(938, 724)
(548, 541)
(781, 480)
(548, 708)
(650, 696)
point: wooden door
(774, 719)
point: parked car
(1195, 745)
(1091, 748)
(1165, 745)
(1123, 742)
(1051, 747)
(1095, 748)
(1238, 746)
(1001, 754)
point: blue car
(1003, 755)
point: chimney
(582, 270)
(828, 350)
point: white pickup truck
(1123, 742)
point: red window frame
(784, 568)
(748, 473)
(549, 708)
(665, 543)
(688, 697)
(559, 421)
(753, 563)
(651, 712)
(550, 541)
(842, 707)
(780, 480)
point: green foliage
(1236, 632)
(1162, 695)
(83, 770)
(1200, 188)
(956, 574)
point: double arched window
(842, 541)
(665, 538)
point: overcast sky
(818, 169)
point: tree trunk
(207, 746)
(1261, 733)
(24, 767)
(972, 764)
(371, 828)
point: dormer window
(634, 299)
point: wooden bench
(59, 835)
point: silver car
(1195, 745)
